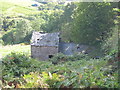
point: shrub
(18, 64)
(92, 73)
(8, 38)
(44, 80)
(33, 80)
(51, 79)
(78, 71)
(21, 33)
(60, 58)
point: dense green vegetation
(79, 71)
(88, 23)
(19, 20)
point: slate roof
(45, 39)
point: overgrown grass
(4, 50)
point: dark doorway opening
(78, 47)
(50, 56)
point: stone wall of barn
(43, 52)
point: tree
(92, 22)
(52, 21)
(36, 23)
(23, 29)
(111, 44)
(7, 24)
(66, 22)
(18, 34)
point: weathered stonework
(44, 45)
(43, 53)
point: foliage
(7, 24)
(75, 72)
(61, 22)
(33, 80)
(36, 80)
(67, 20)
(37, 23)
(89, 23)
(61, 58)
(110, 45)
(8, 38)
(91, 73)
(52, 79)
(92, 22)
(19, 20)
(16, 64)
(53, 22)
(19, 34)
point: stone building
(44, 45)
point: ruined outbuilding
(44, 45)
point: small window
(50, 56)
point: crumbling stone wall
(43, 52)
(71, 48)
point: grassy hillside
(19, 7)
(4, 50)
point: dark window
(50, 56)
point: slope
(18, 7)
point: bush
(18, 64)
(8, 38)
(60, 58)
(78, 71)
(37, 80)
(33, 80)
(22, 33)
(92, 73)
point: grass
(4, 50)
(5, 6)
(25, 10)
(18, 7)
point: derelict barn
(44, 45)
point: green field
(4, 50)
(19, 7)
